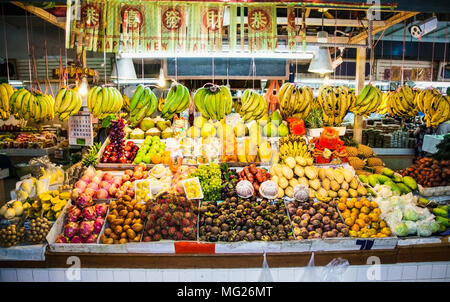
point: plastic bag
(266, 275)
(332, 272)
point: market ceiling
(401, 5)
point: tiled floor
(436, 271)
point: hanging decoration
(205, 30)
(262, 27)
(291, 28)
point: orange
(372, 232)
(383, 235)
(166, 153)
(362, 216)
(375, 225)
(350, 203)
(373, 236)
(342, 206)
(365, 210)
(366, 203)
(360, 222)
(377, 211)
(373, 205)
(354, 215)
(349, 221)
(367, 220)
(352, 233)
(364, 236)
(373, 217)
(165, 160)
(382, 224)
(346, 214)
(355, 227)
(156, 158)
(358, 204)
(355, 210)
(386, 231)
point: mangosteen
(276, 221)
(322, 211)
(216, 222)
(315, 222)
(240, 207)
(250, 237)
(319, 216)
(286, 221)
(287, 228)
(317, 235)
(281, 233)
(250, 230)
(274, 238)
(312, 233)
(247, 204)
(212, 208)
(332, 203)
(225, 227)
(327, 228)
(296, 219)
(290, 237)
(258, 235)
(330, 210)
(202, 229)
(265, 238)
(340, 234)
(266, 224)
(258, 228)
(332, 224)
(299, 212)
(215, 230)
(215, 215)
(319, 231)
(326, 220)
(244, 228)
(254, 215)
(340, 226)
(221, 219)
(238, 228)
(335, 215)
(203, 209)
(224, 236)
(259, 221)
(242, 234)
(344, 231)
(297, 231)
(212, 238)
(312, 211)
(321, 225)
(208, 228)
(330, 234)
(265, 232)
(306, 217)
(250, 223)
(263, 204)
(310, 227)
(258, 208)
(280, 227)
(208, 221)
(233, 199)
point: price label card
(80, 129)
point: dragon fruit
(86, 228)
(98, 224)
(74, 214)
(84, 201)
(91, 239)
(89, 213)
(101, 209)
(62, 239)
(76, 239)
(71, 229)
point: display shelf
(28, 152)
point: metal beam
(41, 13)
(327, 22)
(397, 18)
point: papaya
(404, 188)
(382, 178)
(410, 182)
(373, 180)
(440, 212)
(387, 172)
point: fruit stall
(188, 171)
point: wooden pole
(359, 79)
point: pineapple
(364, 151)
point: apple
(129, 172)
(89, 192)
(108, 176)
(93, 186)
(104, 185)
(96, 179)
(125, 178)
(112, 190)
(81, 185)
(86, 178)
(102, 194)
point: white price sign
(80, 129)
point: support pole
(359, 79)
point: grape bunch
(117, 135)
(210, 180)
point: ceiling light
(123, 69)
(321, 62)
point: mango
(404, 188)
(363, 179)
(373, 180)
(443, 221)
(387, 172)
(382, 178)
(397, 177)
(440, 212)
(410, 182)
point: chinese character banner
(142, 26)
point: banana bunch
(213, 101)
(335, 102)
(177, 101)
(382, 109)
(32, 106)
(295, 101)
(67, 103)
(103, 101)
(368, 101)
(434, 105)
(400, 103)
(253, 106)
(142, 104)
(6, 91)
(296, 147)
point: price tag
(80, 129)
(366, 244)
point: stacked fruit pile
(32, 106)
(295, 101)
(368, 101)
(125, 220)
(359, 156)
(83, 222)
(213, 101)
(363, 218)
(338, 182)
(256, 176)
(142, 104)
(103, 101)
(401, 103)
(171, 217)
(237, 219)
(296, 147)
(96, 184)
(177, 101)
(12, 235)
(6, 91)
(152, 151)
(39, 228)
(399, 184)
(335, 102)
(429, 172)
(229, 181)
(49, 205)
(316, 220)
(67, 103)
(210, 178)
